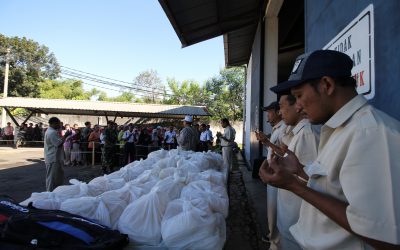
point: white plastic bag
(141, 219)
(89, 207)
(216, 195)
(77, 189)
(43, 200)
(210, 175)
(186, 226)
(166, 172)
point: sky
(115, 39)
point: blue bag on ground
(53, 229)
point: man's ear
(327, 85)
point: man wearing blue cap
(351, 200)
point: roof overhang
(99, 108)
(198, 20)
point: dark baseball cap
(314, 65)
(272, 105)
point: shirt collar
(299, 126)
(279, 124)
(345, 112)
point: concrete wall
(325, 19)
(253, 113)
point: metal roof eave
(97, 108)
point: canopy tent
(100, 108)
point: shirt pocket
(317, 177)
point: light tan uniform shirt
(52, 150)
(278, 131)
(229, 133)
(359, 163)
(304, 144)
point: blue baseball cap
(314, 65)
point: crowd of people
(27, 134)
(331, 186)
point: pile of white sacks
(175, 199)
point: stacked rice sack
(177, 199)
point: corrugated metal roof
(198, 20)
(99, 108)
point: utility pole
(5, 90)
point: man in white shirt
(278, 131)
(303, 144)
(205, 139)
(227, 141)
(130, 139)
(169, 138)
(352, 199)
(54, 154)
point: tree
(226, 92)
(68, 89)
(30, 63)
(188, 92)
(151, 82)
(124, 97)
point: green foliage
(68, 89)
(30, 63)
(188, 92)
(124, 97)
(226, 92)
(222, 94)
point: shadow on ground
(20, 182)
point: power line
(93, 79)
(94, 85)
(111, 79)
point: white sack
(185, 226)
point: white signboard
(357, 41)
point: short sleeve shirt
(229, 133)
(358, 163)
(303, 144)
(205, 136)
(278, 131)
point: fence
(92, 155)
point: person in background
(205, 139)
(143, 143)
(8, 133)
(208, 129)
(54, 155)
(94, 142)
(84, 143)
(188, 138)
(67, 144)
(227, 139)
(129, 146)
(76, 158)
(170, 138)
(110, 139)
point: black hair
(225, 120)
(87, 123)
(53, 120)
